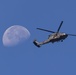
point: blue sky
(50, 59)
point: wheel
(61, 40)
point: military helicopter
(54, 37)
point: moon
(15, 35)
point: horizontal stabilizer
(36, 43)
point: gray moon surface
(15, 35)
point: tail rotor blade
(45, 30)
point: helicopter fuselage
(57, 37)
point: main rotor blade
(60, 26)
(71, 34)
(45, 30)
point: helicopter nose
(66, 35)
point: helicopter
(54, 37)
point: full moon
(15, 35)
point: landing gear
(61, 40)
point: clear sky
(50, 59)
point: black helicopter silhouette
(55, 37)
